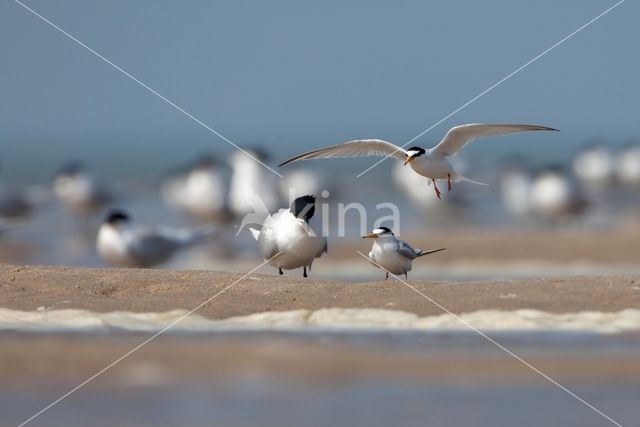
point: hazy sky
(301, 74)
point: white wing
(459, 136)
(357, 148)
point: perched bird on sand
(121, 244)
(431, 162)
(201, 192)
(392, 254)
(80, 192)
(287, 241)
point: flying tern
(287, 241)
(431, 162)
(122, 244)
(392, 254)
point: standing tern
(287, 241)
(121, 244)
(392, 254)
(431, 162)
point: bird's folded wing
(459, 136)
(149, 247)
(406, 251)
(357, 148)
(323, 247)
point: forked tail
(465, 179)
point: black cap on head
(419, 151)
(115, 217)
(304, 207)
(385, 229)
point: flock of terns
(285, 239)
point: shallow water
(157, 397)
(367, 404)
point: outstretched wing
(357, 148)
(459, 136)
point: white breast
(112, 247)
(384, 253)
(432, 166)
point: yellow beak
(408, 160)
(370, 236)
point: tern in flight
(431, 162)
(392, 254)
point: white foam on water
(73, 320)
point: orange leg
(436, 188)
(449, 182)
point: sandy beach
(33, 287)
(241, 378)
(273, 365)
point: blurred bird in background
(120, 243)
(593, 166)
(253, 187)
(80, 192)
(556, 195)
(628, 166)
(201, 192)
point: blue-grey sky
(299, 74)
